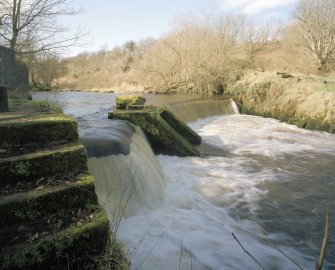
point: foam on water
(252, 172)
(256, 183)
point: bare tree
(196, 56)
(257, 36)
(128, 54)
(30, 26)
(315, 28)
(48, 69)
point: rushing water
(265, 181)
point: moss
(21, 168)
(172, 137)
(180, 127)
(37, 130)
(74, 247)
(65, 161)
(35, 204)
(33, 106)
(122, 102)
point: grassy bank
(307, 102)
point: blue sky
(112, 22)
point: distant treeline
(204, 54)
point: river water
(267, 182)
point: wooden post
(3, 99)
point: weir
(165, 132)
(129, 177)
(189, 111)
(204, 200)
(130, 181)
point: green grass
(328, 88)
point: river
(266, 182)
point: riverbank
(79, 86)
(308, 102)
(302, 100)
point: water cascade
(189, 111)
(265, 181)
(129, 178)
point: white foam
(208, 199)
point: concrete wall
(8, 73)
(13, 74)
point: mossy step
(166, 133)
(61, 162)
(35, 204)
(71, 248)
(38, 130)
(122, 102)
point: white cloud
(235, 4)
(255, 6)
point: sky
(110, 23)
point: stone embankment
(50, 215)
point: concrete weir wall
(166, 133)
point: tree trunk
(322, 64)
(3, 99)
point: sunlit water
(267, 182)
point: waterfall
(128, 176)
(190, 111)
(128, 181)
(251, 179)
(234, 106)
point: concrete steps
(36, 130)
(40, 202)
(65, 161)
(70, 248)
(50, 216)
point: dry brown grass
(199, 55)
(300, 96)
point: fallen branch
(246, 251)
(279, 250)
(324, 244)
